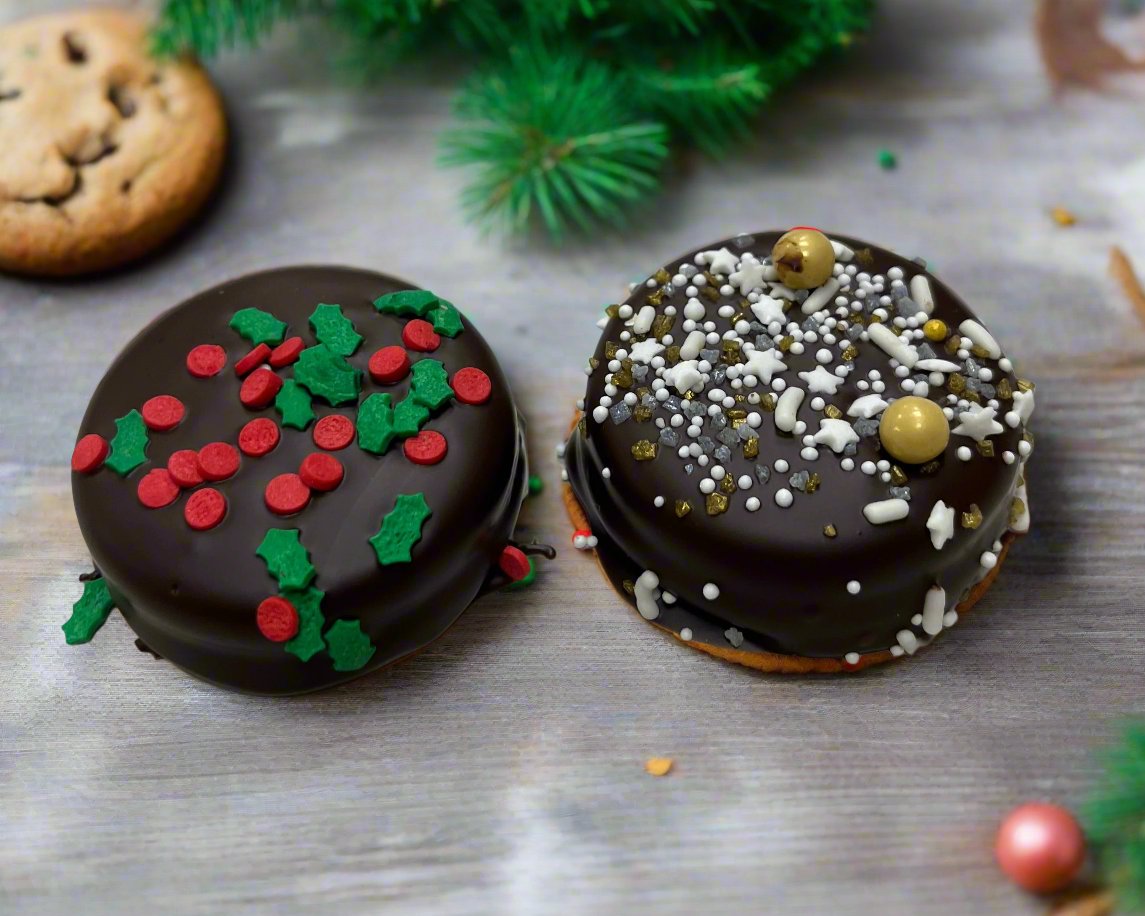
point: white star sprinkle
(685, 376)
(749, 277)
(977, 423)
(837, 434)
(767, 310)
(764, 364)
(940, 524)
(820, 381)
(869, 405)
(721, 262)
(644, 350)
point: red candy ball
(218, 461)
(286, 494)
(206, 360)
(286, 352)
(183, 466)
(1040, 847)
(89, 454)
(163, 412)
(205, 508)
(427, 447)
(252, 360)
(514, 563)
(277, 619)
(471, 385)
(333, 432)
(258, 437)
(321, 472)
(389, 365)
(156, 489)
(420, 335)
(259, 389)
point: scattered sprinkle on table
(658, 766)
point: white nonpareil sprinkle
(658, 501)
(783, 498)
(964, 454)
(711, 591)
(600, 414)
(752, 504)
(851, 658)
(908, 641)
(854, 587)
(745, 482)
(989, 560)
(707, 485)
(606, 473)
(686, 634)
(781, 466)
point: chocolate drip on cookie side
(192, 595)
(781, 523)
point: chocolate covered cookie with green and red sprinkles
(299, 477)
(798, 452)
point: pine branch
(206, 27)
(1115, 819)
(552, 135)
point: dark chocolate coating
(782, 582)
(192, 596)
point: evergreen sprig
(570, 116)
(1115, 819)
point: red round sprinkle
(252, 360)
(89, 454)
(277, 619)
(183, 466)
(811, 228)
(206, 360)
(514, 563)
(286, 494)
(258, 437)
(471, 385)
(218, 461)
(389, 365)
(163, 412)
(320, 471)
(333, 432)
(156, 489)
(286, 352)
(259, 388)
(420, 335)
(427, 447)
(205, 508)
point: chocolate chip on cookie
(107, 150)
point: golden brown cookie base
(107, 152)
(774, 662)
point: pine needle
(552, 136)
(1115, 819)
(207, 27)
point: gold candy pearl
(934, 329)
(803, 258)
(914, 430)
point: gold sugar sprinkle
(642, 413)
(786, 342)
(672, 355)
(1017, 510)
(973, 518)
(661, 276)
(656, 298)
(737, 318)
(739, 398)
(956, 383)
(751, 447)
(582, 426)
(689, 395)
(728, 485)
(953, 344)
(829, 531)
(767, 402)
(931, 467)
(736, 424)
(1062, 216)
(874, 319)
(622, 378)
(974, 396)
(709, 292)
(683, 507)
(629, 586)
(610, 348)
(1028, 436)
(898, 476)
(737, 413)
(865, 256)
(644, 450)
(1024, 384)
(716, 503)
(850, 353)
(1003, 390)
(711, 278)
(812, 482)
(833, 412)
(980, 351)
(985, 448)
(593, 362)
(730, 351)
(613, 311)
(662, 325)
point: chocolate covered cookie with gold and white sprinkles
(298, 477)
(799, 452)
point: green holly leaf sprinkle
(446, 319)
(430, 384)
(401, 529)
(327, 375)
(286, 559)
(406, 302)
(89, 613)
(376, 423)
(349, 647)
(335, 330)
(258, 326)
(409, 416)
(308, 642)
(293, 403)
(129, 445)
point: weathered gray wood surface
(501, 770)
